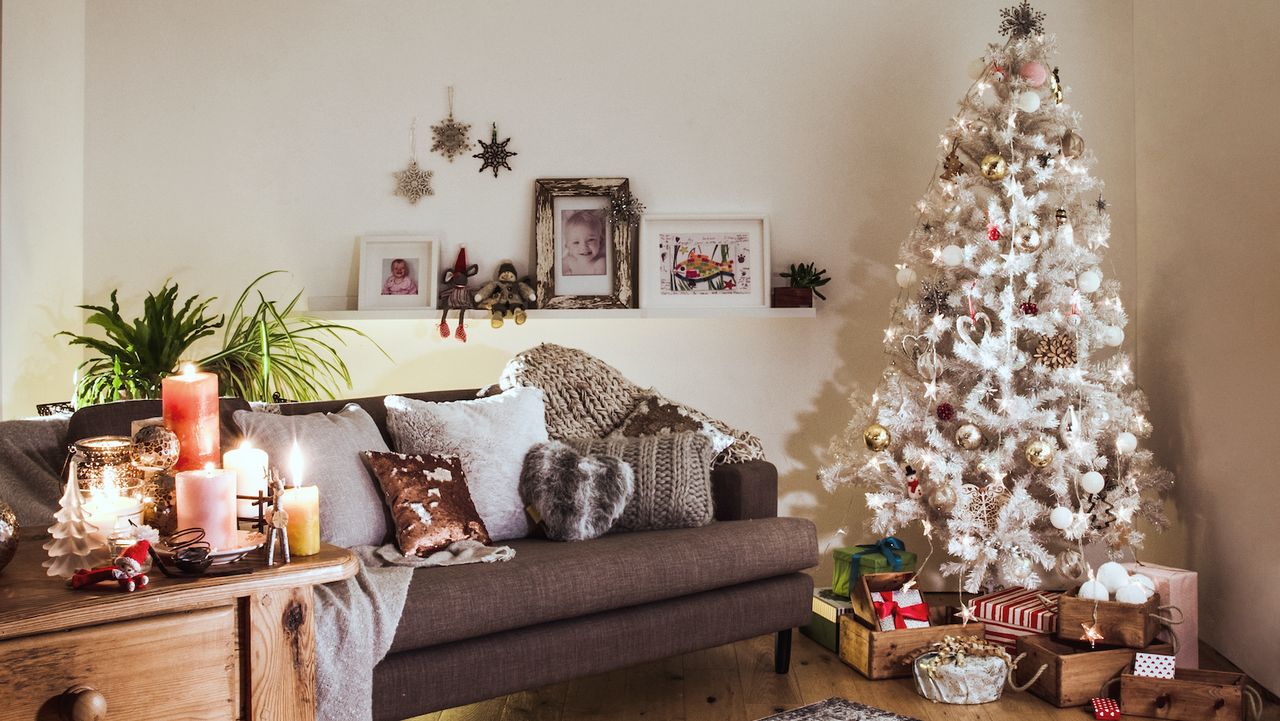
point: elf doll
(125, 570)
(456, 294)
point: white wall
(1207, 293)
(41, 199)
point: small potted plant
(804, 280)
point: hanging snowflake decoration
(494, 154)
(413, 183)
(983, 505)
(624, 207)
(1021, 20)
(935, 298)
(449, 137)
(1100, 204)
(1056, 351)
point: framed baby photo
(704, 261)
(397, 271)
(584, 258)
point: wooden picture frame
(725, 257)
(603, 275)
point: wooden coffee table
(239, 647)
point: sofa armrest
(745, 490)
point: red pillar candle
(190, 402)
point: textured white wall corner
(41, 199)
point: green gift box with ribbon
(884, 556)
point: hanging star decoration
(1021, 20)
(1100, 204)
(413, 183)
(624, 207)
(927, 227)
(494, 154)
(966, 614)
(1091, 634)
(449, 137)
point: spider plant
(266, 352)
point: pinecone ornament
(1056, 351)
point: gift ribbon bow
(890, 547)
(900, 613)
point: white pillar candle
(207, 499)
(250, 466)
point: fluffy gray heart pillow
(579, 497)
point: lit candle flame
(188, 370)
(246, 443)
(208, 466)
(295, 466)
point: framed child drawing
(585, 256)
(704, 261)
(397, 271)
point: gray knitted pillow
(672, 478)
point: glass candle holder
(111, 483)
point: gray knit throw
(672, 478)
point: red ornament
(946, 411)
(1030, 308)
(993, 233)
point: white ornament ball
(1092, 482)
(977, 68)
(1089, 281)
(1113, 576)
(1061, 517)
(1126, 442)
(1134, 593)
(1029, 102)
(953, 255)
(1144, 581)
(1113, 335)
(1094, 591)
(907, 278)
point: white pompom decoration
(1113, 336)
(1144, 581)
(977, 68)
(1089, 281)
(1061, 517)
(907, 278)
(1113, 576)
(1092, 482)
(1134, 593)
(1094, 591)
(1029, 102)
(953, 255)
(1126, 442)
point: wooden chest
(1074, 673)
(1191, 695)
(1121, 624)
(888, 654)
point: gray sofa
(558, 610)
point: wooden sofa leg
(782, 652)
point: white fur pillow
(490, 435)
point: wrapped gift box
(879, 557)
(1179, 588)
(824, 624)
(1016, 612)
(899, 609)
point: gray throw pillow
(672, 478)
(351, 509)
(577, 497)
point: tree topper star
(494, 154)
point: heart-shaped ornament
(922, 351)
(965, 326)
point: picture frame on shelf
(583, 257)
(704, 261)
(397, 272)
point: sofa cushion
(578, 497)
(32, 453)
(672, 478)
(548, 581)
(429, 500)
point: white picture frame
(731, 270)
(380, 257)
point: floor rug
(837, 709)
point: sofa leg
(782, 652)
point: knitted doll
(456, 294)
(125, 570)
(505, 295)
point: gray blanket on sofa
(356, 621)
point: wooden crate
(1191, 695)
(1121, 624)
(1075, 673)
(888, 654)
(862, 587)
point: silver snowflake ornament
(449, 137)
(1021, 20)
(624, 207)
(413, 183)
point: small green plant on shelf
(807, 275)
(265, 353)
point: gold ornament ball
(1028, 242)
(994, 167)
(944, 497)
(1039, 453)
(1072, 144)
(968, 437)
(877, 437)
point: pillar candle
(303, 506)
(207, 499)
(250, 466)
(190, 403)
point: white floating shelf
(553, 314)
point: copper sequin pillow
(429, 500)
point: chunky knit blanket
(588, 398)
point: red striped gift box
(1016, 612)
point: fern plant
(266, 352)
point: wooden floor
(737, 683)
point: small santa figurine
(125, 570)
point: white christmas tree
(76, 542)
(1008, 420)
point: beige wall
(41, 199)
(1207, 294)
